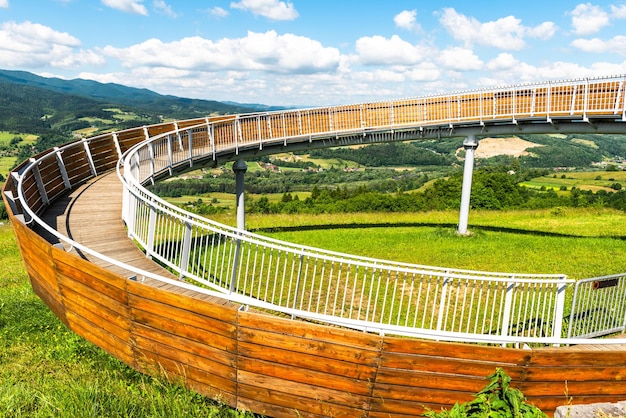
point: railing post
(470, 144)
(442, 302)
(152, 163)
(116, 142)
(559, 309)
(170, 154)
(297, 289)
(240, 169)
(92, 166)
(190, 144)
(151, 231)
(506, 317)
(186, 250)
(61, 165)
(38, 180)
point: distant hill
(171, 106)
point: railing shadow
(445, 225)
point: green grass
(48, 371)
(580, 243)
(584, 180)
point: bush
(497, 400)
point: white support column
(240, 168)
(470, 144)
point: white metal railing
(363, 293)
(598, 307)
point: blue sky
(313, 52)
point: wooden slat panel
(197, 339)
(302, 398)
(154, 364)
(220, 363)
(94, 278)
(410, 346)
(226, 313)
(108, 342)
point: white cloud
(218, 12)
(271, 9)
(378, 50)
(503, 61)
(407, 20)
(4, 4)
(588, 19)
(162, 7)
(33, 45)
(128, 6)
(460, 59)
(256, 52)
(616, 45)
(506, 33)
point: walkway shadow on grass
(451, 226)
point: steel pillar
(470, 144)
(240, 168)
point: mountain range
(34, 104)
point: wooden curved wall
(268, 364)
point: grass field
(48, 371)
(584, 180)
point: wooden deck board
(92, 215)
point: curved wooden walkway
(91, 216)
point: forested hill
(123, 95)
(34, 104)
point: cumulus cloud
(616, 45)
(588, 19)
(407, 20)
(378, 50)
(271, 9)
(459, 59)
(128, 6)
(4, 4)
(34, 45)
(256, 52)
(506, 33)
(503, 61)
(218, 12)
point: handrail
(358, 292)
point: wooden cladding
(281, 367)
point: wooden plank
(310, 376)
(251, 321)
(579, 357)
(301, 397)
(198, 328)
(472, 352)
(306, 361)
(202, 381)
(110, 315)
(97, 280)
(213, 365)
(220, 312)
(108, 342)
(432, 380)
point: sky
(313, 52)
